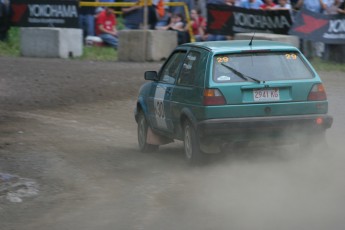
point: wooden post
(146, 13)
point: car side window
(189, 69)
(172, 68)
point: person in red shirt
(268, 5)
(198, 24)
(106, 27)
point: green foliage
(322, 65)
(11, 46)
(120, 23)
(99, 54)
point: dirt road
(69, 161)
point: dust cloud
(259, 187)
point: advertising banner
(312, 26)
(45, 13)
(227, 20)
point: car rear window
(268, 66)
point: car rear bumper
(261, 125)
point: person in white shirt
(283, 5)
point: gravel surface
(69, 161)
(36, 83)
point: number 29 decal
(291, 56)
(222, 59)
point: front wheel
(142, 135)
(192, 150)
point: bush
(11, 46)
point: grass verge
(98, 54)
(11, 48)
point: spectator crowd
(102, 22)
(163, 17)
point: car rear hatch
(265, 84)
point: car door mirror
(151, 75)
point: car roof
(241, 45)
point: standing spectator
(163, 15)
(268, 5)
(309, 48)
(331, 6)
(198, 24)
(4, 19)
(163, 20)
(156, 12)
(251, 4)
(316, 6)
(133, 16)
(341, 9)
(87, 19)
(106, 27)
(331, 9)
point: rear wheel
(192, 150)
(142, 135)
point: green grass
(99, 54)
(11, 48)
(322, 65)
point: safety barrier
(51, 42)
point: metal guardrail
(144, 3)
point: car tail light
(213, 97)
(317, 93)
(319, 121)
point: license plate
(266, 95)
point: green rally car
(218, 93)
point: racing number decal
(291, 56)
(222, 59)
(159, 109)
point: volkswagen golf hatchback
(213, 94)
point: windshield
(260, 66)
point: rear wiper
(241, 75)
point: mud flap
(154, 139)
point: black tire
(192, 150)
(142, 135)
